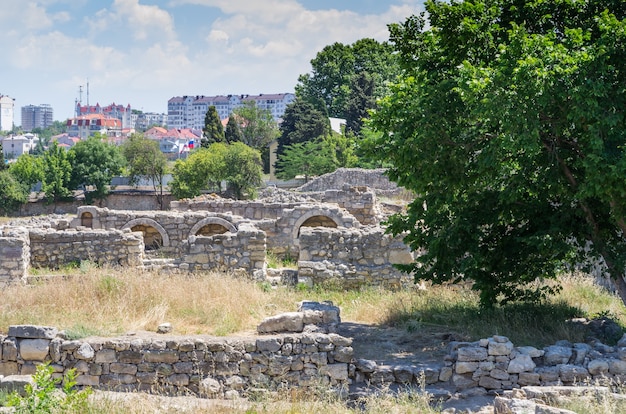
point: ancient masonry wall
(53, 248)
(15, 254)
(374, 179)
(231, 367)
(352, 257)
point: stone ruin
(302, 349)
(333, 235)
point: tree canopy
(509, 125)
(94, 162)
(213, 130)
(334, 68)
(145, 160)
(302, 122)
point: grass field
(87, 300)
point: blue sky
(143, 52)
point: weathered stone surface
(500, 346)
(598, 367)
(617, 367)
(521, 363)
(403, 374)
(285, 322)
(338, 372)
(164, 356)
(85, 351)
(465, 367)
(555, 355)
(471, 353)
(34, 349)
(210, 387)
(32, 331)
(365, 365)
(489, 383)
(572, 373)
(268, 344)
(15, 383)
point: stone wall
(243, 251)
(352, 257)
(14, 254)
(53, 248)
(374, 179)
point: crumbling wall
(53, 248)
(374, 179)
(352, 257)
(14, 254)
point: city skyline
(143, 52)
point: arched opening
(211, 229)
(318, 221)
(86, 219)
(152, 238)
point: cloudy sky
(143, 52)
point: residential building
(190, 111)
(7, 105)
(33, 116)
(144, 120)
(174, 143)
(121, 112)
(15, 145)
(87, 125)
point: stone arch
(313, 217)
(150, 238)
(86, 219)
(210, 226)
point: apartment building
(36, 116)
(87, 125)
(190, 111)
(7, 105)
(121, 112)
(144, 120)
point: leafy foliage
(94, 163)
(213, 130)
(57, 170)
(509, 125)
(360, 101)
(301, 123)
(334, 68)
(43, 397)
(205, 169)
(257, 125)
(27, 169)
(13, 193)
(233, 130)
(145, 159)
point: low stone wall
(53, 248)
(352, 257)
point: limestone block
(528, 378)
(598, 367)
(15, 383)
(465, 367)
(285, 322)
(531, 351)
(210, 387)
(268, 344)
(127, 357)
(147, 377)
(617, 367)
(338, 372)
(555, 355)
(88, 380)
(85, 351)
(500, 346)
(521, 363)
(572, 373)
(489, 383)
(499, 374)
(119, 368)
(32, 331)
(403, 374)
(106, 356)
(343, 354)
(548, 374)
(365, 365)
(178, 380)
(34, 349)
(462, 382)
(471, 353)
(445, 374)
(162, 356)
(9, 349)
(8, 368)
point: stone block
(528, 378)
(15, 383)
(403, 374)
(500, 346)
(465, 367)
(521, 363)
(555, 355)
(161, 356)
(489, 383)
(570, 374)
(617, 367)
(33, 331)
(598, 367)
(34, 349)
(106, 356)
(471, 353)
(268, 344)
(338, 372)
(88, 380)
(285, 322)
(8, 368)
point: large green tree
(509, 124)
(57, 172)
(94, 163)
(302, 122)
(334, 68)
(145, 160)
(213, 130)
(360, 101)
(236, 164)
(13, 193)
(233, 130)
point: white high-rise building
(189, 111)
(7, 105)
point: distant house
(174, 143)
(64, 140)
(15, 145)
(86, 125)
